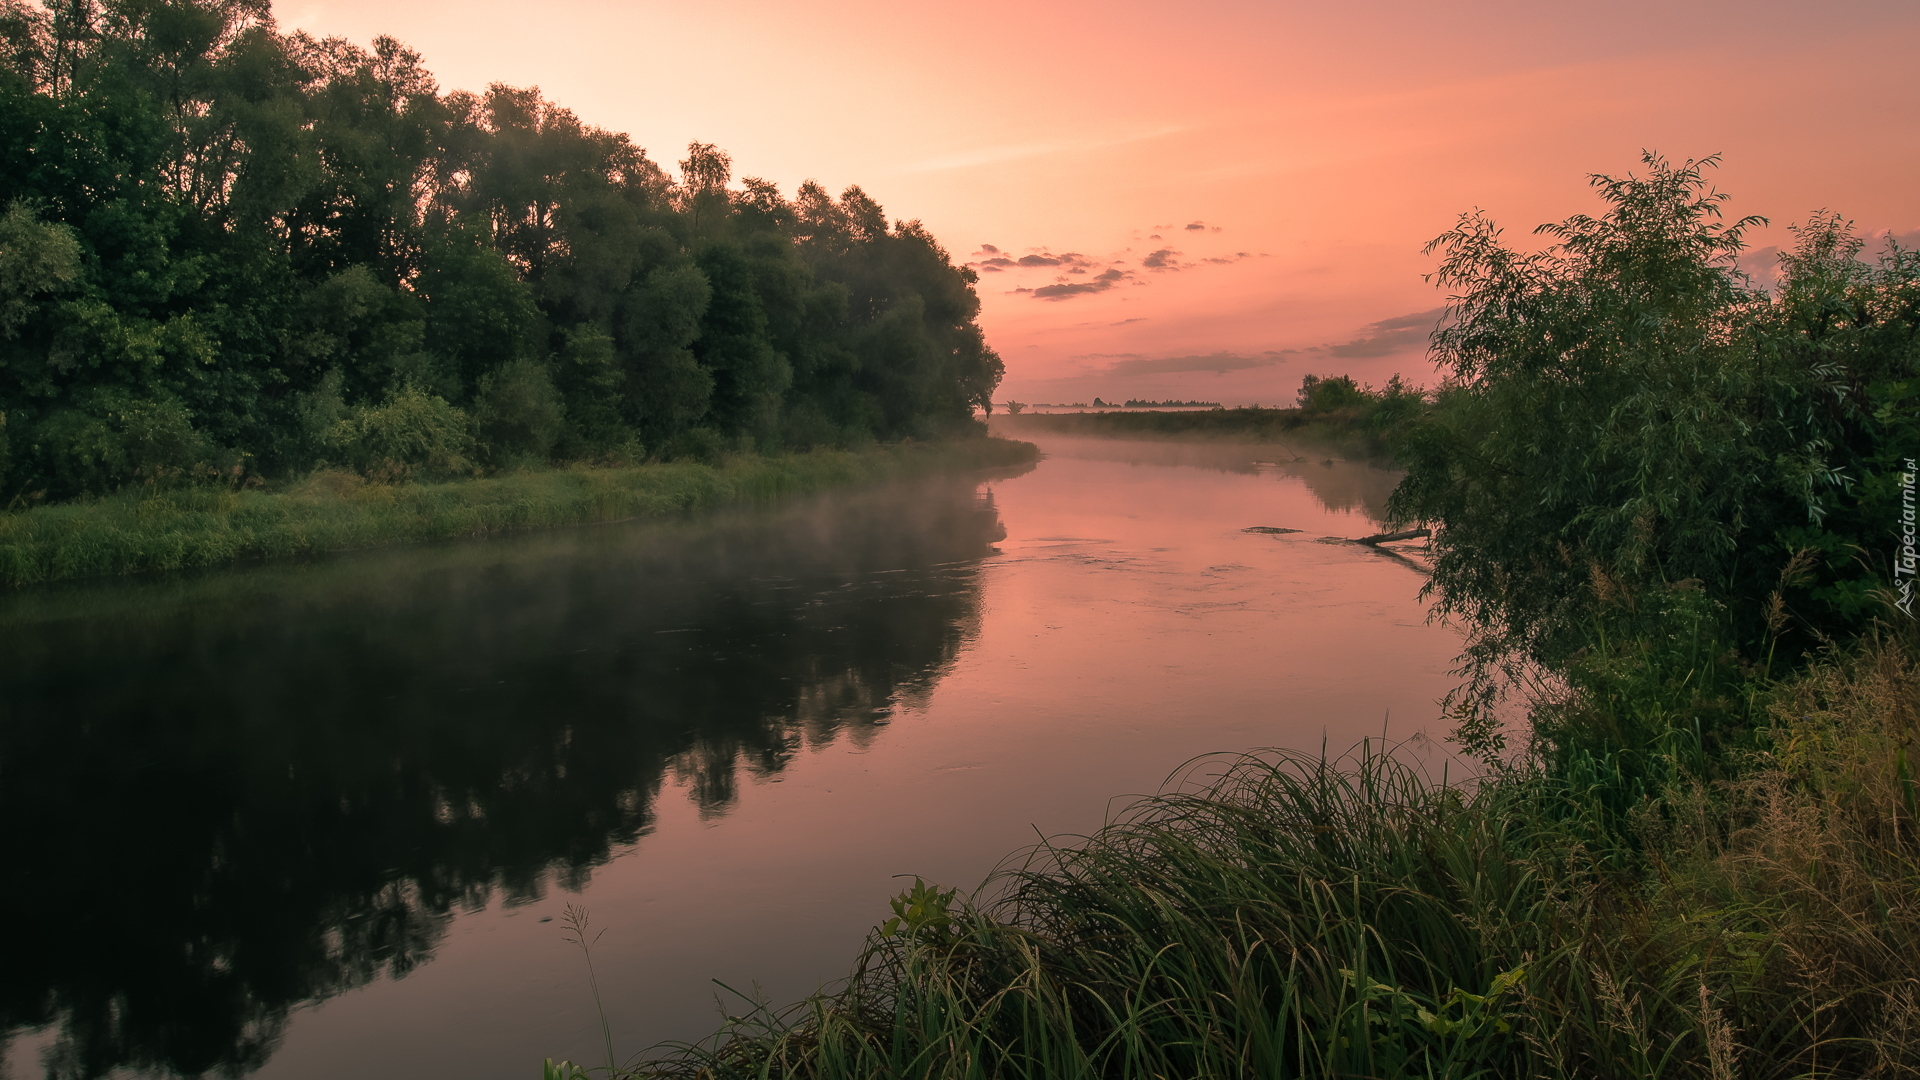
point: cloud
(1878, 239)
(1039, 257)
(1419, 320)
(1169, 259)
(1220, 363)
(1069, 290)
(1762, 265)
(1066, 265)
(1065, 290)
(1390, 335)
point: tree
(1627, 419)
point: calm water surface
(321, 820)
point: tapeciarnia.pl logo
(1903, 557)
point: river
(323, 819)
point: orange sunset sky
(1212, 198)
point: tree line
(232, 252)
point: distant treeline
(1335, 409)
(230, 251)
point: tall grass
(1298, 917)
(192, 527)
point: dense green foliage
(229, 252)
(1636, 444)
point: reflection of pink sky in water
(1127, 625)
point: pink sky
(1316, 146)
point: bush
(36, 258)
(412, 434)
(518, 413)
(1318, 395)
(112, 439)
(1626, 415)
(701, 444)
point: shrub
(412, 434)
(518, 413)
(1625, 414)
(1318, 395)
(113, 438)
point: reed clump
(1280, 915)
(192, 527)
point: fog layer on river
(323, 819)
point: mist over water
(317, 819)
(1336, 484)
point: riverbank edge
(203, 527)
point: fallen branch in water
(1371, 541)
(1388, 537)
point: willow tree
(1633, 436)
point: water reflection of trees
(222, 798)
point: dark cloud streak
(1068, 291)
(1390, 336)
(1219, 363)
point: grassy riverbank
(1293, 917)
(193, 527)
